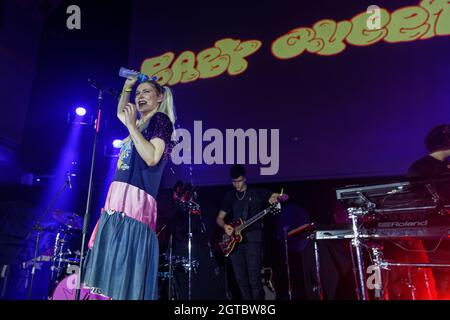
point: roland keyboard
(435, 232)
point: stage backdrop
(352, 90)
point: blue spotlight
(80, 111)
(80, 115)
(117, 143)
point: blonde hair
(166, 106)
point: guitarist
(243, 202)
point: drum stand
(58, 256)
(190, 264)
(55, 256)
(170, 269)
(190, 254)
(187, 203)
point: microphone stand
(39, 229)
(87, 213)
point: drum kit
(53, 272)
(179, 263)
(169, 266)
(59, 263)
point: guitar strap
(250, 196)
(246, 206)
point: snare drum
(181, 263)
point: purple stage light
(117, 143)
(80, 111)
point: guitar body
(229, 242)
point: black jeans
(247, 263)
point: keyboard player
(436, 164)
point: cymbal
(70, 219)
(49, 229)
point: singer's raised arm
(125, 98)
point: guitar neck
(255, 218)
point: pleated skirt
(122, 263)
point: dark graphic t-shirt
(132, 169)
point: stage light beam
(80, 111)
(117, 143)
